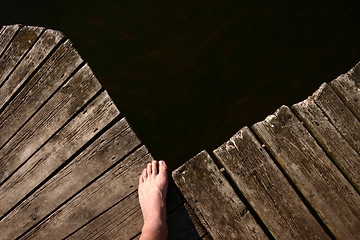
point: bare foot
(153, 185)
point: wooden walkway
(295, 175)
(69, 162)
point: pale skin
(152, 189)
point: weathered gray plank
(113, 186)
(18, 47)
(321, 127)
(124, 220)
(59, 149)
(215, 203)
(93, 161)
(43, 46)
(347, 86)
(53, 115)
(325, 188)
(39, 88)
(339, 115)
(6, 35)
(266, 189)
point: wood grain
(347, 86)
(18, 47)
(52, 116)
(43, 46)
(207, 192)
(59, 149)
(339, 115)
(39, 88)
(266, 189)
(331, 140)
(322, 184)
(113, 186)
(6, 35)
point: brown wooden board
(40, 87)
(18, 47)
(339, 115)
(333, 198)
(214, 201)
(266, 189)
(43, 46)
(347, 86)
(52, 116)
(59, 149)
(322, 128)
(106, 191)
(6, 35)
(93, 161)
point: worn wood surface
(58, 150)
(18, 47)
(334, 199)
(40, 87)
(6, 35)
(92, 162)
(266, 189)
(331, 140)
(207, 192)
(53, 115)
(339, 115)
(113, 186)
(347, 86)
(41, 49)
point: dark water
(188, 74)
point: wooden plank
(40, 87)
(6, 35)
(333, 198)
(43, 46)
(347, 86)
(18, 47)
(214, 201)
(59, 149)
(337, 148)
(113, 186)
(266, 189)
(339, 115)
(53, 115)
(122, 221)
(93, 161)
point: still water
(189, 74)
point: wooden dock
(295, 175)
(69, 161)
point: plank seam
(22, 58)
(33, 73)
(323, 148)
(297, 191)
(7, 46)
(45, 102)
(343, 99)
(88, 184)
(242, 197)
(97, 216)
(116, 119)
